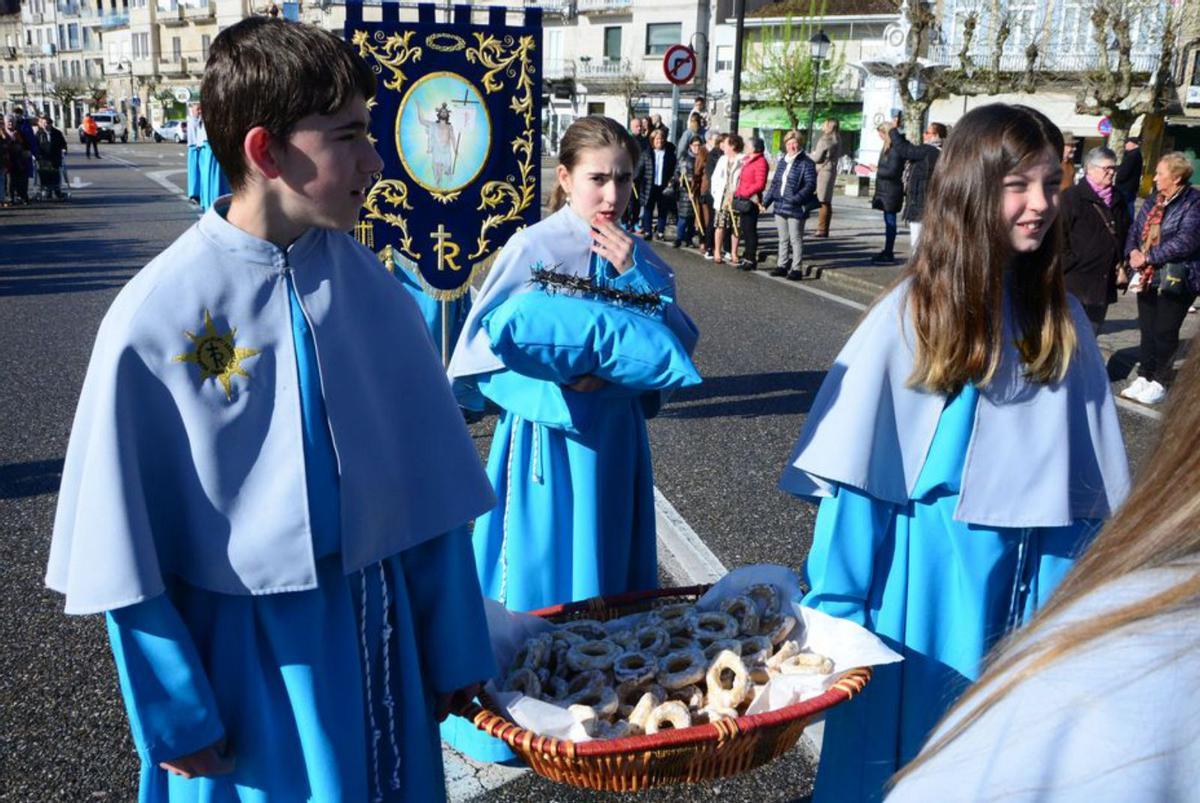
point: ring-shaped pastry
(777, 629)
(534, 653)
(671, 714)
(635, 667)
(745, 612)
(652, 639)
(767, 597)
(603, 700)
(786, 650)
(671, 618)
(691, 696)
(733, 645)
(728, 680)
(593, 655)
(682, 668)
(594, 679)
(714, 712)
(679, 642)
(806, 663)
(714, 626)
(525, 681)
(557, 688)
(588, 629)
(613, 730)
(756, 650)
(649, 701)
(626, 639)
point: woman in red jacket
(747, 202)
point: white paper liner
(845, 643)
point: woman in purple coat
(1163, 248)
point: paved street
(718, 449)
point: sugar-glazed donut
(745, 611)
(756, 650)
(728, 680)
(671, 618)
(714, 712)
(593, 655)
(778, 628)
(588, 629)
(671, 714)
(594, 679)
(652, 639)
(691, 696)
(557, 689)
(733, 645)
(682, 668)
(806, 663)
(525, 681)
(534, 654)
(635, 667)
(786, 650)
(649, 701)
(767, 597)
(682, 641)
(713, 626)
(603, 700)
(612, 730)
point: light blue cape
(167, 475)
(1039, 455)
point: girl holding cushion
(964, 445)
(570, 459)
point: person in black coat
(923, 158)
(793, 192)
(654, 172)
(633, 212)
(889, 194)
(1095, 224)
(1129, 174)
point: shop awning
(775, 117)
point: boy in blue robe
(268, 480)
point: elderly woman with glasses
(1095, 222)
(1163, 247)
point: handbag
(1173, 280)
(742, 205)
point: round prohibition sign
(679, 64)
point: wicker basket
(703, 752)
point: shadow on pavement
(39, 477)
(776, 393)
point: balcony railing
(203, 12)
(170, 16)
(114, 20)
(604, 69)
(68, 9)
(558, 68)
(177, 66)
(1048, 61)
(604, 6)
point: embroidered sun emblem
(216, 355)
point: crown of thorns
(552, 281)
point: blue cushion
(560, 338)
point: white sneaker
(1153, 394)
(1134, 388)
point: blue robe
(213, 183)
(318, 697)
(575, 517)
(938, 590)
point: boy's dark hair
(271, 73)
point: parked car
(172, 131)
(112, 127)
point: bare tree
(780, 66)
(96, 94)
(66, 91)
(1117, 91)
(630, 86)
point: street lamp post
(819, 50)
(130, 121)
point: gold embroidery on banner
(217, 355)
(437, 41)
(395, 193)
(392, 53)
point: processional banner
(456, 118)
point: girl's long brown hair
(586, 133)
(964, 258)
(1158, 526)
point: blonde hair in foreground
(959, 269)
(1159, 525)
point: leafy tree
(66, 91)
(780, 67)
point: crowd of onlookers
(715, 186)
(31, 154)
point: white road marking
(1140, 409)
(680, 551)
(157, 176)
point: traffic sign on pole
(1104, 126)
(679, 64)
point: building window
(612, 43)
(596, 108)
(724, 58)
(176, 49)
(661, 35)
(205, 44)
